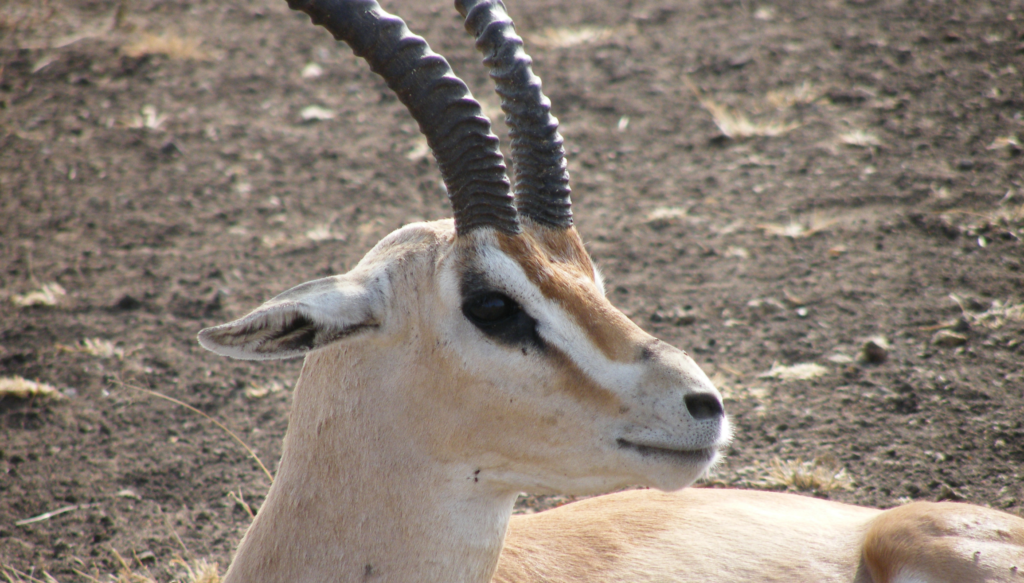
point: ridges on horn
(540, 178)
(456, 129)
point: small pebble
(874, 350)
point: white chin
(669, 477)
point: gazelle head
(488, 339)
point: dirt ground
(764, 184)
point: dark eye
(500, 317)
(490, 307)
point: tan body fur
(701, 535)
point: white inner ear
(304, 318)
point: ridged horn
(456, 129)
(539, 175)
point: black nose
(703, 406)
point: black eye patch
(497, 315)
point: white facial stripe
(555, 325)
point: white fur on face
(652, 392)
(554, 324)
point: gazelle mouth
(703, 455)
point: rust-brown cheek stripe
(563, 282)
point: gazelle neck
(357, 498)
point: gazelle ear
(302, 319)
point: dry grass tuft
(738, 126)
(48, 295)
(314, 113)
(1009, 144)
(797, 229)
(21, 388)
(996, 316)
(860, 139)
(324, 233)
(97, 347)
(663, 216)
(1000, 313)
(197, 571)
(148, 118)
(258, 391)
(169, 44)
(802, 94)
(802, 372)
(12, 575)
(1007, 215)
(200, 571)
(558, 38)
(824, 474)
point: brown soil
(894, 185)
